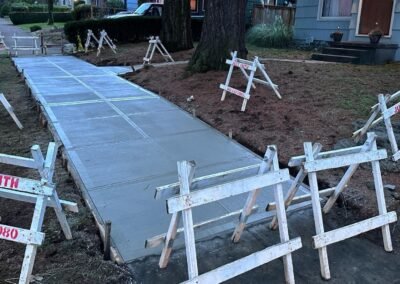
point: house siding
(308, 25)
(395, 36)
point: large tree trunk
(223, 31)
(176, 32)
(50, 5)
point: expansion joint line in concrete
(124, 116)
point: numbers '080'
(8, 233)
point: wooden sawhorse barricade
(34, 47)
(244, 65)
(387, 113)
(104, 38)
(155, 43)
(42, 193)
(181, 205)
(10, 110)
(315, 161)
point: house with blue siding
(317, 19)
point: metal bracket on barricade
(253, 67)
(105, 38)
(10, 110)
(181, 205)
(387, 113)
(155, 43)
(42, 193)
(315, 161)
(90, 35)
(34, 47)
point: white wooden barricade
(313, 162)
(386, 114)
(181, 205)
(89, 37)
(42, 193)
(252, 66)
(155, 43)
(10, 110)
(35, 47)
(105, 38)
(3, 45)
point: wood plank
(236, 63)
(234, 91)
(222, 191)
(337, 235)
(10, 110)
(24, 185)
(388, 124)
(299, 160)
(18, 161)
(214, 222)
(20, 235)
(185, 170)
(391, 111)
(316, 206)
(247, 263)
(172, 189)
(302, 198)
(31, 198)
(344, 161)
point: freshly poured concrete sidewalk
(123, 141)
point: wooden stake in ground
(10, 110)
(253, 67)
(155, 43)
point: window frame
(325, 18)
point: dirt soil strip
(58, 260)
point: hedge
(125, 29)
(18, 18)
(25, 7)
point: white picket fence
(42, 193)
(386, 114)
(181, 205)
(3, 45)
(253, 67)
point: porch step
(345, 51)
(335, 58)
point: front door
(375, 11)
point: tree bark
(50, 5)
(176, 32)
(223, 31)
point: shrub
(5, 9)
(35, 28)
(126, 29)
(81, 12)
(19, 18)
(275, 35)
(25, 7)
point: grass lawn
(44, 26)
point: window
(336, 8)
(193, 5)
